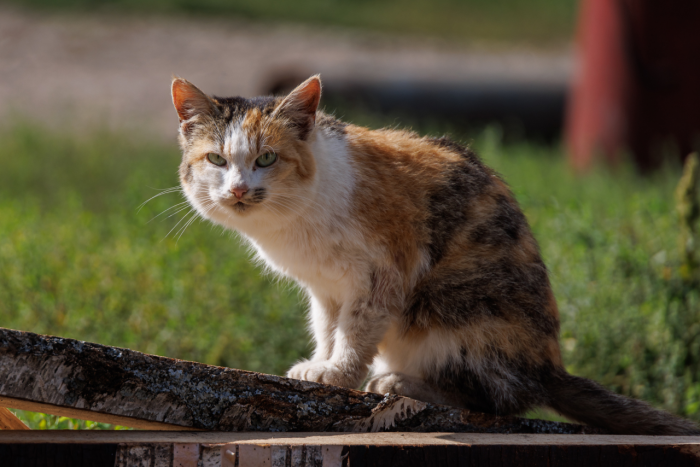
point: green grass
(521, 21)
(78, 259)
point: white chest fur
(321, 246)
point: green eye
(266, 159)
(216, 159)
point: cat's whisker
(181, 231)
(279, 209)
(164, 192)
(277, 212)
(294, 205)
(207, 199)
(171, 207)
(289, 203)
(178, 223)
(290, 192)
(196, 215)
(285, 212)
(178, 211)
(291, 195)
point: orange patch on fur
(396, 170)
(272, 134)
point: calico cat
(417, 259)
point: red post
(637, 86)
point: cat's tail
(588, 402)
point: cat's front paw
(325, 372)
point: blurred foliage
(78, 259)
(524, 21)
(40, 421)
(688, 206)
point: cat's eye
(266, 159)
(216, 159)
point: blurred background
(588, 109)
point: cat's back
(435, 199)
(437, 190)
(401, 155)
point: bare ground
(81, 72)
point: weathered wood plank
(209, 449)
(9, 421)
(337, 439)
(100, 381)
(148, 455)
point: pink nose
(239, 191)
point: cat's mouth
(240, 206)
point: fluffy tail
(588, 402)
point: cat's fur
(417, 260)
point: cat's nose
(239, 191)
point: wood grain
(96, 382)
(84, 414)
(9, 421)
(336, 439)
(209, 449)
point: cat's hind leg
(410, 386)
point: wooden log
(9, 421)
(218, 449)
(97, 382)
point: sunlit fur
(419, 264)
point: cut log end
(9, 421)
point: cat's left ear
(190, 101)
(301, 104)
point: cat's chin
(240, 208)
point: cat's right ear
(190, 101)
(301, 104)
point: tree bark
(97, 382)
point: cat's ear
(190, 101)
(301, 104)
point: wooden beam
(9, 421)
(96, 382)
(217, 449)
(337, 439)
(84, 414)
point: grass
(79, 259)
(522, 21)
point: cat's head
(247, 160)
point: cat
(416, 257)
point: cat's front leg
(323, 313)
(324, 321)
(360, 327)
